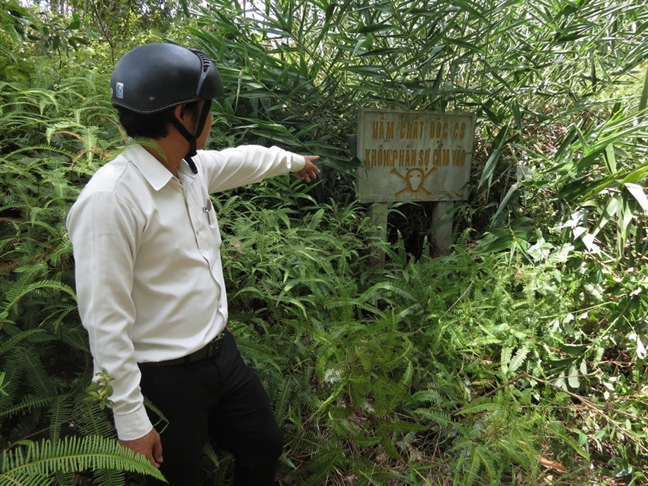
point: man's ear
(180, 112)
(185, 116)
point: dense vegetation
(517, 357)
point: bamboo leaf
(493, 159)
(610, 159)
(509, 194)
(610, 212)
(643, 100)
(370, 29)
(638, 193)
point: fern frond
(91, 419)
(478, 407)
(74, 336)
(519, 359)
(505, 359)
(161, 424)
(62, 479)
(9, 266)
(40, 459)
(59, 413)
(28, 403)
(282, 399)
(428, 396)
(259, 353)
(209, 451)
(487, 461)
(108, 477)
(10, 343)
(307, 398)
(389, 287)
(44, 147)
(36, 374)
(14, 370)
(322, 465)
(22, 288)
(560, 431)
(437, 416)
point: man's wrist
(134, 425)
(298, 162)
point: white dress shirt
(149, 278)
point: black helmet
(153, 77)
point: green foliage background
(518, 357)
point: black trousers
(221, 398)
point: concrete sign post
(415, 156)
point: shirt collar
(153, 171)
(184, 171)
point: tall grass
(536, 74)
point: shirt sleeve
(103, 231)
(234, 167)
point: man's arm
(103, 231)
(247, 164)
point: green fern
(23, 288)
(36, 373)
(27, 404)
(39, 460)
(11, 342)
(322, 465)
(14, 370)
(59, 413)
(89, 419)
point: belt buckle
(215, 344)
(211, 347)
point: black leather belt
(212, 349)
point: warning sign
(413, 155)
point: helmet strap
(188, 136)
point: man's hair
(154, 125)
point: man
(149, 277)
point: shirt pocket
(209, 214)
